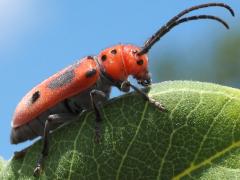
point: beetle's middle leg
(95, 106)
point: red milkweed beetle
(86, 83)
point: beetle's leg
(50, 122)
(95, 106)
(144, 95)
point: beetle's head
(120, 61)
(136, 65)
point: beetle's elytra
(86, 83)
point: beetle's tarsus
(97, 133)
(38, 170)
(157, 104)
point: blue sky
(38, 38)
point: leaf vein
(194, 166)
(75, 146)
(208, 131)
(207, 161)
(131, 142)
(170, 138)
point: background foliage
(218, 62)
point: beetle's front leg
(93, 94)
(127, 85)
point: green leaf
(2, 163)
(198, 138)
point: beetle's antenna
(154, 39)
(201, 6)
(175, 21)
(198, 17)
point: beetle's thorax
(120, 61)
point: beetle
(87, 83)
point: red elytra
(86, 83)
(48, 96)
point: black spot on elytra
(104, 57)
(90, 57)
(35, 97)
(114, 51)
(140, 62)
(62, 79)
(90, 73)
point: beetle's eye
(104, 57)
(140, 62)
(114, 51)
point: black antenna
(176, 21)
(186, 19)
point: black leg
(93, 94)
(52, 119)
(145, 96)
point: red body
(117, 62)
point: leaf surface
(198, 138)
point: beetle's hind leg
(50, 122)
